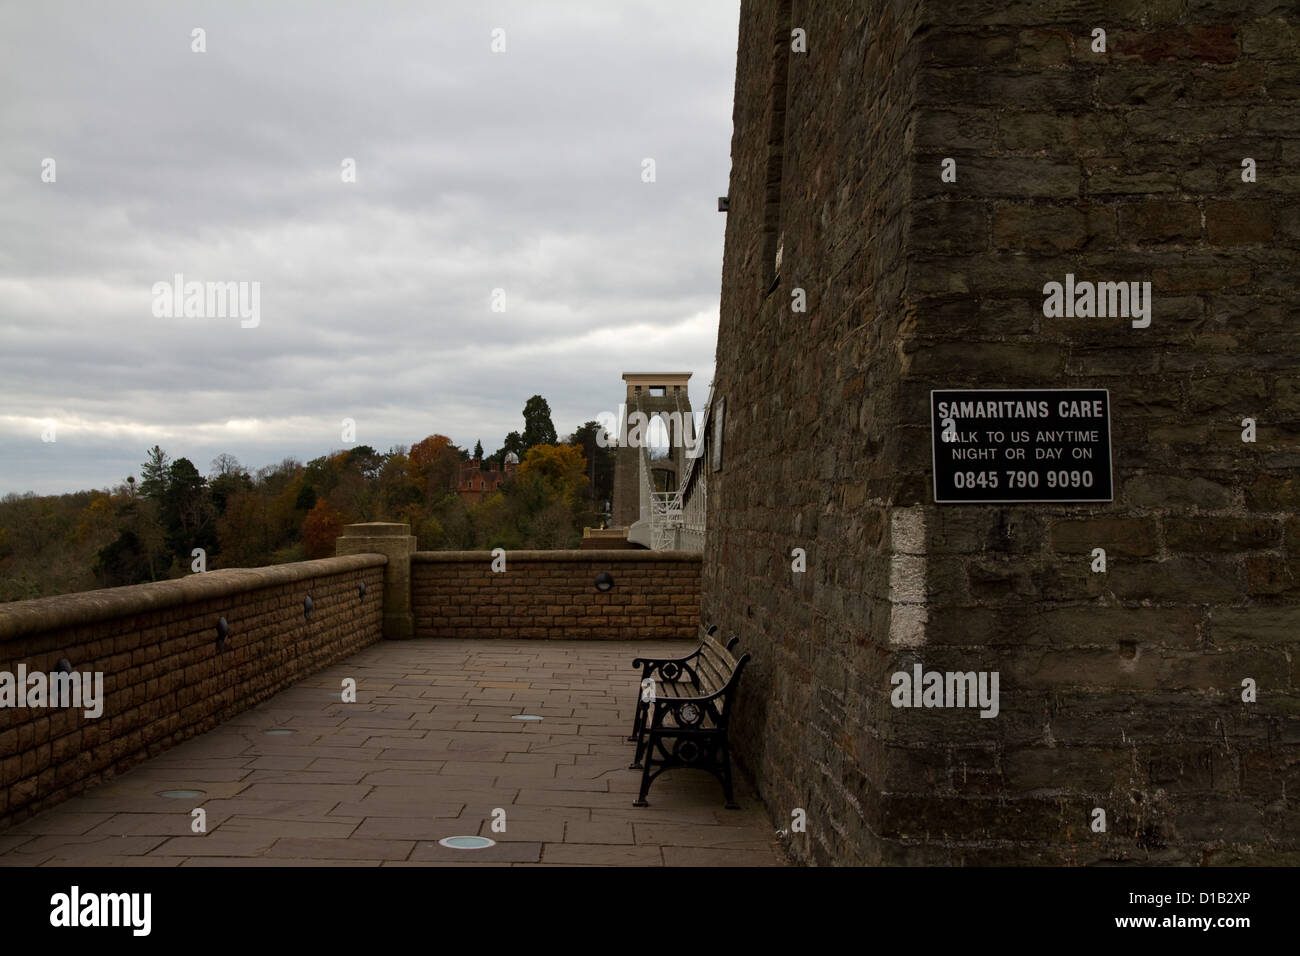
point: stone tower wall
(1120, 691)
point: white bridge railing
(695, 497)
(661, 509)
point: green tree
(306, 499)
(514, 444)
(600, 462)
(538, 427)
(366, 460)
(121, 562)
(153, 473)
(187, 511)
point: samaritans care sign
(1006, 446)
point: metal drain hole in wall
(181, 794)
(525, 717)
(467, 843)
(279, 731)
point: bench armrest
(678, 668)
(664, 704)
(650, 664)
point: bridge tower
(651, 394)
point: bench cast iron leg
(726, 776)
(639, 721)
(640, 801)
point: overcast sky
(520, 170)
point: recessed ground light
(279, 731)
(467, 843)
(525, 717)
(181, 794)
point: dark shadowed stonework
(1119, 690)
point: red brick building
(478, 480)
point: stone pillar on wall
(395, 541)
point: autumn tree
(139, 551)
(401, 487)
(438, 461)
(321, 530)
(241, 532)
(543, 503)
(430, 450)
(97, 522)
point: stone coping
(587, 555)
(87, 607)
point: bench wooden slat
(715, 664)
(716, 647)
(711, 675)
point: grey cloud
(476, 171)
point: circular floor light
(467, 843)
(279, 731)
(525, 717)
(181, 794)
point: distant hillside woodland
(147, 530)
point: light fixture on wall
(306, 607)
(223, 631)
(362, 595)
(604, 581)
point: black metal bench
(666, 669)
(683, 711)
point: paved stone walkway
(428, 751)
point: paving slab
(502, 852)
(429, 750)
